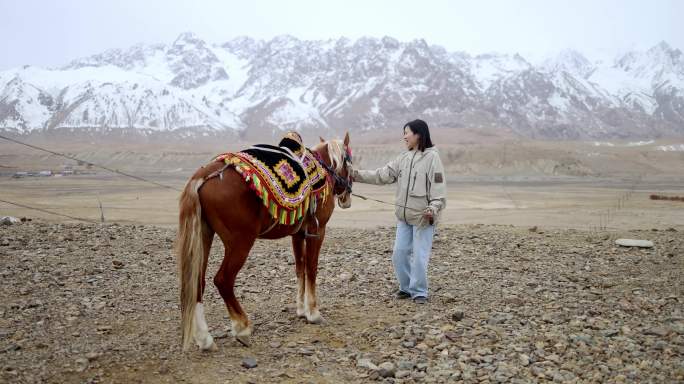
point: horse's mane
(335, 151)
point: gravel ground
(90, 303)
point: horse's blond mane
(335, 151)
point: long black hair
(420, 128)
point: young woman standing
(420, 198)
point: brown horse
(226, 206)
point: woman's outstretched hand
(429, 216)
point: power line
(89, 163)
(50, 212)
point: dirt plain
(527, 284)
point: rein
(385, 202)
(337, 179)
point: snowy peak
(188, 39)
(193, 63)
(367, 83)
(244, 47)
(491, 67)
(664, 52)
(569, 61)
(656, 64)
(126, 59)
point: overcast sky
(51, 33)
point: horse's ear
(322, 140)
(346, 139)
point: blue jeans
(411, 255)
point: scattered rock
(534, 312)
(366, 364)
(249, 362)
(386, 369)
(408, 344)
(657, 331)
(81, 364)
(457, 315)
(405, 365)
(306, 351)
(91, 356)
(9, 220)
(400, 374)
(346, 276)
(634, 243)
(610, 332)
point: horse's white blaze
(200, 330)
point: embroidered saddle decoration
(287, 178)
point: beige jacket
(421, 183)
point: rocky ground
(90, 303)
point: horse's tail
(189, 250)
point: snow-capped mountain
(247, 85)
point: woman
(420, 198)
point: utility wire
(90, 163)
(50, 212)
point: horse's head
(342, 168)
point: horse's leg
(313, 248)
(299, 251)
(233, 260)
(200, 330)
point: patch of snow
(296, 113)
(375, 108)
(236, 68)
(559, 102)
(490, 67)
(671, 148)
(157, 67)
(640, 143)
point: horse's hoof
(244, 340)
(206, 343)
(212, 348)
(318, 319)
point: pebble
(386, 369)
(91, 356)
(366, 364)
(249, 362)
(400, 374)
(457, 315)
(657, 331)
(524, 360)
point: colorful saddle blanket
(287, 178)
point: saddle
(287, 178)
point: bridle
(340, 184)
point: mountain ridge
(249, 87)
